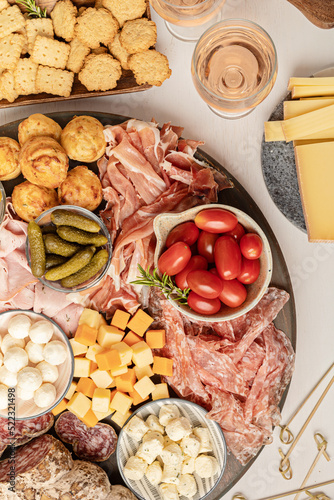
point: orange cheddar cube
(131, 338)
(125, 383)
(120, 319)
(62, 406)
(156, 339)
(90, 419)
(140, 322)
(93, 367)
(85, 335)
(108, 360)
(121, 402)
(163, 366)
(87, 386)
(136, 398)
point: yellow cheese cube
(62, 406)
(100, 415)
(160, 392)
(108, 360)
(78, 348)
(81, 367)
(71, 390)
(155, 339)
(90, 419)
(101, 378)
(85, 335)
(79, 404)
(131, 338)
(140, 322)
(144, 387)
(119, 418)
(90, 317)
(93, 350)
(136, 398)
(120, 319)
(119, 371)
(144, 370)
(142, 354)
(163, 366)
(125, 382)
(101, 400)
(121, 402)
(109, 335)
(87, 386)
(125, 352)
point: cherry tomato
(205, 284)
(203, 306)
(249, 272)
(251, 246)
(214, 271)
(196, 262)
(233, 293)
(173, 260)
(237, 232)
(216, 220)
(227, 257)
(205, 245)
(187, 232)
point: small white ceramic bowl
(164, 223)
(28, 409)
(127, 447)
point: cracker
(7, 86)
(23, 32)
(149, 67)
(63, 16)
(119, 52)
(96, 26)
(10, 50)
(100, 72)
(3, 5)
(11, 20)
(138, 35)
(125, 10)
(54, 81)
(78, 52)
(49, 52)
(40, 26)
(25, 77)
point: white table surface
(302, 50)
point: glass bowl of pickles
(2, 202)
(68, 248)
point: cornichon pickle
(37, 250)
(67, 218)
(74, 264)
(94, 266)
(76, 235)
(54, 244)
(53, 260)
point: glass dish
(2, 202)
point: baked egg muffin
(83, 139)
(30, 201)
(82, 188)
(9, 159)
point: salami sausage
(89, 443)
(24, 430)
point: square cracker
(23, 32)
(64, 20)
(40, 26)
(25, 77)
(49, 52)
(54, 81)
(11, 19)
(10, 50)
(7, 86)
(78, 52)
(3, 5)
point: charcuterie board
(237, 197)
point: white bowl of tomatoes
(218, 259)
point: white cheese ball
(151, 447)
(168, 413)
(55, 352)
(8, 378)
(45, 395)
(171, 473)
(29, 379)
(1, 358)
(135, 468)
(154, 473)
(153, 423)
(15, 359)
(24, 394)
(8, 342)
(178, 428)
(206, 466)
(19, 326)
(171, 454)
(3, 397)
(203, 434)
(49, 372)
(136, 428)
(187, 486)
(34, 351)
(188, 465)
(168, 492)
(190, 445)
(41, 332)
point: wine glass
(234, 67)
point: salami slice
(24, 429)
(89, 443)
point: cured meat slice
(89, 443)
(24, 430)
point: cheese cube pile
(113, 366)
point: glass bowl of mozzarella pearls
(169, 450)
(36, 364)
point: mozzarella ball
(168, 413)
(41, 332)
(49, 372)
(45, 395)
(151, 447)
(1, 358)
(178, 428)
(188, 465)
(205, 466)
(203, 435)
(34, 351)
(190, 445)
(187, 485)
(136, 428)
(8, 342)
(135, 468)
(55, 352)
(29, 379)
(172, 454)
(3, 397)
(154, 473)
(18, 326)
(15, 359)
(153, 423)
(8, 378)
(24, 394)
(168, 492)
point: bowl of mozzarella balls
(169, 450)
(36, 364)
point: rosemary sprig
(32, 9)
(165, 283)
